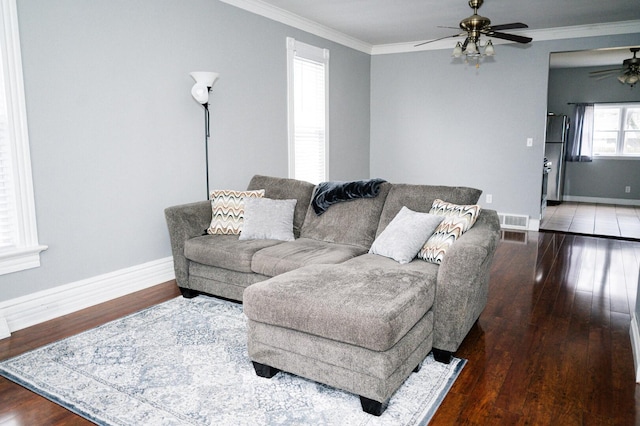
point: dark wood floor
(551, 348)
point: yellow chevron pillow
(457, 220)
(227, 210)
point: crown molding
(283, 16)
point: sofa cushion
(291, 255)
(351, 222)
(420, 198)
(224, 251)
(227, 210)
(267, 219)
(370, 307)
(405, 235)
(284, 189)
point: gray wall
(602, 178)
(116, 137)
(436, 120)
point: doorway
(601, 197)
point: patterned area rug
(185, 362)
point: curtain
(580, 143)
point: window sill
(20, 259)
(616, 157)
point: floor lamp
(200, 92)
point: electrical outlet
(529, 142)
(489, 198)
(627, 189)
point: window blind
(19, 247)
(308, 142)
(8, 225)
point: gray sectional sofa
(323, 307)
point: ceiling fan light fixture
(471, 48)
(457, 51)
(489, 50)
(632, 79)
(476, 26)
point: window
(19, 248)
(616, 130)
(308, 82)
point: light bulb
(200, 93)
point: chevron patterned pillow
(457, 220)
(227, 210)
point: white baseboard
(32, 309)
(635, 344)
(598, 200)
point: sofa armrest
(184, 222)
(463, 281)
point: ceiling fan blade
(437, 39)
(611, 70)
(512, 26)
(510, 37)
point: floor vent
(514, 236)
(514, 221)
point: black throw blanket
(328, 193)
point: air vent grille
(513, 221)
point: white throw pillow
(405, 235)
(267, 219)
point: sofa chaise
(322, 304)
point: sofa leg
(418, 368)
(187, 293)
(264, 370)
(442, 355)
(372, 407)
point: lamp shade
(471, 48)
(457, 51)
(489, 50)
(204, 81)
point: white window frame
(24, 250)
(619, 154)
(298, 49)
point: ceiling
(384, 22)
(379, 25)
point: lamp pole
(200, 92)
(206, 142)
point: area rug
(185, 362)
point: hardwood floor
(552, 346)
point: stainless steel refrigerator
(554, 151)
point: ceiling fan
(629, 73)
(474, 26)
